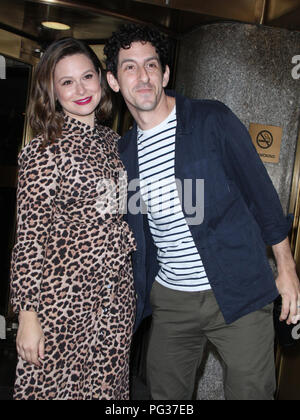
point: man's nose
(143, 74)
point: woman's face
(77, 87)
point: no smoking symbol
(264, 139)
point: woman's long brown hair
(45, 113)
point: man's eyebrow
(132, 60)
(127, 60)
(152, 58)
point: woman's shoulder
(107, 133)
(35, 149)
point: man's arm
(244, 166)
(287, 282)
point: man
(209, 279)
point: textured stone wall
(249, 68)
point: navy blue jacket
(242, 211)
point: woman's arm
(37, 187)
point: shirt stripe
(181, 267)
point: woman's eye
(67, 82)
(89, 76)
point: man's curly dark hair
(130, 33)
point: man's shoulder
(206, 105)
(195, 112)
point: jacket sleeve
(244, 166)
(37, 186)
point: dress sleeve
(38, 181)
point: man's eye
(152, 66)
(130, 67)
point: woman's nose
(80, 88)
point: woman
(71, 272)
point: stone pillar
(249, 68)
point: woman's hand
(30, 338)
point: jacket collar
(184, 111)
(184, 120)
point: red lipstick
(84, 101)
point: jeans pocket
(268, 308)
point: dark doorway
(13, 101)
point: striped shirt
(181, 267)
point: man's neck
(146, 120)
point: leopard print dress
(72, 265)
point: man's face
(140, 77)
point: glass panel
(13, 100)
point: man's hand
(288, 286)
(287, 283)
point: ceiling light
(56, 25)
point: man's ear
(113, 82)
(166, 76)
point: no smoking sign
(267, 141)
(264, 139)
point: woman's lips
(84, 101)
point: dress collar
(75, 126)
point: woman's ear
(113, 82)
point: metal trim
(94, 9)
